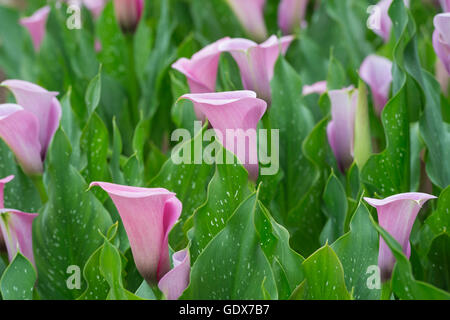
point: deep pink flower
(341, 129)
(28, 126)
(291, 14)
(236, 113)
(174, 282)
(257, 61)
(250, 14)
(396, 214)
(148, 215)
(35, 25)
(128, 13)
(376, 71)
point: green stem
(39, 183)
(133, 88)
(386, 290)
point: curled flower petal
(201, 70)
(385, 23)
(318, 87)
(396, 214)
(291, 14)
(16, 228)
(20, 130)
(42, 104)
(250, 14)
(176, 280)
(148, 215)
(128, 13)
(441, 38)
(234, 116)
(257, 62)
(376, 71)
(340, 130)
(35, 25)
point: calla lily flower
(445, 4)
(385, 24)
(291, 14)
(318, 87)
(29, 126)
(95, 6)
(35, 25)
(2, 204)
(174, 282)
(376, 71)
(257, 62)
(201, 70)
(250, 14)
(148, 215)
(341, 129)
(441, 39)
(236, 113)
(15, 228)
(396, 214)
(128, 13)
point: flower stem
(39, 184)
(132, 81)
(386, 290)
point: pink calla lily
(445, 4)
(174, 282)
(376, 71)
(148, 215)
(441, 39)
(128, 13)
(15, 228)
(35, 25)
(201, 70)
(237, 112)
(291, 14)
(29, 126)
(340, 130)
(250, 14)
(396, 214)
(385, 23)
(318, 87)
(95, 6)
(257, 61)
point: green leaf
(66, 231)
(93, 92)
(358, 250)
(17, 282)
(335, 208)
(227, 189)
(324, 276)
(233, 265)
(363, 144)
(439, 256)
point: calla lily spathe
(201, 70)
(148, 215)
(376, 71)
(174, 282)
(445, 4)
(238, 111)
(341, 128)
(385, 23)
(250, 14)
(128, 13)
(28, 126)
(15, 228)
(291, 14)
(35, 24)
(396, 214)
(95, 6)
(441, 39)
(257, 61)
